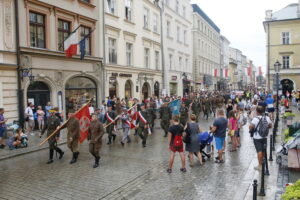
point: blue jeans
(2, 131)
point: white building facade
(206, 50)
(133, 51)
(224, 70)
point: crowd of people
(229, 110)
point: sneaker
(183, 169)
(169, 171)
(258, 167)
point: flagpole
(63, 124)
(118, 117)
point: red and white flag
(84, 118)
(71, 43)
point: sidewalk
(33, 145)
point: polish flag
(226, 73)
(70, 45)
(133, 118)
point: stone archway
(128, 89)
(146, 90)
(38, 93)
(156, 88)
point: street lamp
(277, 66)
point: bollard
(255, 189)
(262, 181)
(267, 173)
(271, 144)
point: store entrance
(146, 90)
(38, 93)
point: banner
(215, 72)
(226, 73)
(175, 107)
(84, 118)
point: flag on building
(249, 70)
(82, 45)
(175, 107)
(84, 118)
(70, 44)
(215, 72)
(260, 71)
(226, 73)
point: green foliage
(288, 139)
(288, 114)
(286, 133)
(292, 192)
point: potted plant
(289, 116)
(292, 191)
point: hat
(51, 111)
(142, 104)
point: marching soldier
(52, 124)
(143, 124)
(151, 115)
(206, 107)
(184, 114)
(165, 116)
(109, 118)
(73, 136)
(125, 126)
(213, 103)
(195, 108)
(95, 133)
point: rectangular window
(186, 64)
(63, 33)
(180, 63)
(170, 61)
(285, 38)
(129, 52)
(147, 57)
(84, 32)
(157, 60)
(128, 10)
(37, 30)
(112, 50)
(177, 6)
(198, 22)
(87, 1)
(286, 62)
(178, 33)
(155, 29)
(168, 29)
(183, 12)
(111, 6)
(146, 18)
(184, 37)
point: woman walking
(192, 128)
(232, 126)
(40, 118)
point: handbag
(187, 138)
(231, 133)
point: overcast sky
(240, 22)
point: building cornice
(124, 68)
(112, 28)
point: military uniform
(196, 109)
(165, 116)
(52, 123)
(152, 116)
(213, 103)
(73, 136)
(184, 115)
(142, 129)
(109, 116)
(95, 133)
(206, 107)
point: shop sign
(174, 78)
(114, 74)
(112, 79)
(125, 75)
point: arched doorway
(128, 89)
(146, 90)
(287, 86)
(113, 87)
(156, 89)
(38, 93)
(80, 90)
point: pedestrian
(15, 140)
(143, 124)
(125, 126)
(206, 107)
(2, 128)
(47, 108)
(259, 129)
(270, 105)
(151, 114)
(229, 107)
(53, 123)
(232, 127)
(219, 130)
(40, 118)
(73, 136)
(165, 116)
(193, 129)
(29, 119)
(184, 114)
(109, 118)
(95, 134)
(175, 142)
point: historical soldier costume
(184, 114)
(213, 104)
(151, 115)
(109, 118)
(165, 116)
(125, 126)
(206, 107)
(95, 133)
(195, 108)
(143, 124)
(53, 122)
(73, 136)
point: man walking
(184, 114)
(95, 133)
(52, 124)
(165, 116)
(219, 130)
(143, 124)
(125, 126)
(2, 127)
(109, 118)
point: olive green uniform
(165, 116)
(95, 133)
(142, 129)
(184, 115)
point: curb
(28, 152)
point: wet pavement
(129, 172)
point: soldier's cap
(142, 104)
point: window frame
(155, 23)
(156, 57)
(59, 30)
(36, 25)
(146, 18)
(89, 52)
(286, 62)
(114, 58)
(112, 7)
(129, 11)
(286, 38)
(168, 28)
(147, 57)
(129, 51)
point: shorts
(237, 133)
(270, 110)
(219, 142)
(177, 149)
(2, 131)
(259, 144)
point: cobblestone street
(129, 172)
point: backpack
(177, 142)
(263, 130)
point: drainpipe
(104, 52)
(268, 60)
(18, 52)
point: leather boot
(114, 137)
(51, 153)
(73, 158)
(97, 158)
(109, 140)
(61, 153)
(128, 139)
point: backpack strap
(255, 130)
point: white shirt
(29, 113)
(92, 110)
(255, 122)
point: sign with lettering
(174, 78)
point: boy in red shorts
(175, 134)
